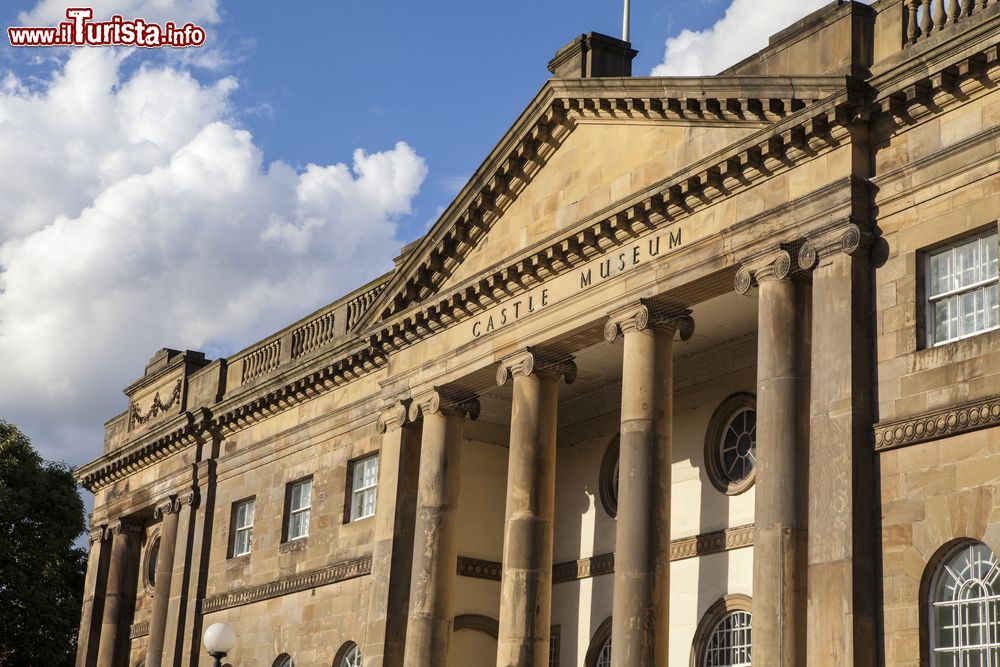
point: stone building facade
(692, 369)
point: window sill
(298, 544)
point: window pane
(940, 273)
(967, 264)
(990, 257)
(992, 315)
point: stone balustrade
(929, 17)
(261, 361)
(313, 334)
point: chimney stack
(593, 55)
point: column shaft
(842, 586)
(113, 646)
(640, 626)
(164, 574)
(526, 585)
(93, 598)
(435, 543)
(779, 579)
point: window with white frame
(364, 487)
(962, 289)
(243, 526)
(965, 608)
(729, 642)
(299, 506)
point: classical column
(526, 584)
(435, 543)
(177, 604)
(168, 510)
(392, 551)
(842, 586)
(641, 605)
(113, 647)
(93, 599)
(779, 574)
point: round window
(609, 477)
(149, 565)
(731, 444)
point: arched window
(723, 637)
(283, 660)
(349, 655)
(965, 608)
(604, 657)
(599, 653)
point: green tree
(41, 569)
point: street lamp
(219, 640)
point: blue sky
(205, 198)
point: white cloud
(135, 214)
(743, 30)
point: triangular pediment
(581, 147)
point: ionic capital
(126, 527)
(97, 533)
(533, 360)
(646, 315)
(774, 264)
(393, 416)
(847, 237)
(446, 400)
(188, 497)
(169, 505)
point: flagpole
(625, 22)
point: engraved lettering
(585, 279)
(545, 297)
(654, 250)
(503, 316)
(606, 268)
(476, 333)
(621, 261)
(489, 324)
(635, 255)
(675, 240)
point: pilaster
(392, 550)
(842, 586)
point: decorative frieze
(300, 582)
(138, 630)
(712, 543)
(479, 569)
(928, 426)
(532, 360)
(683, 548)
(583, 568)
(157, 407)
